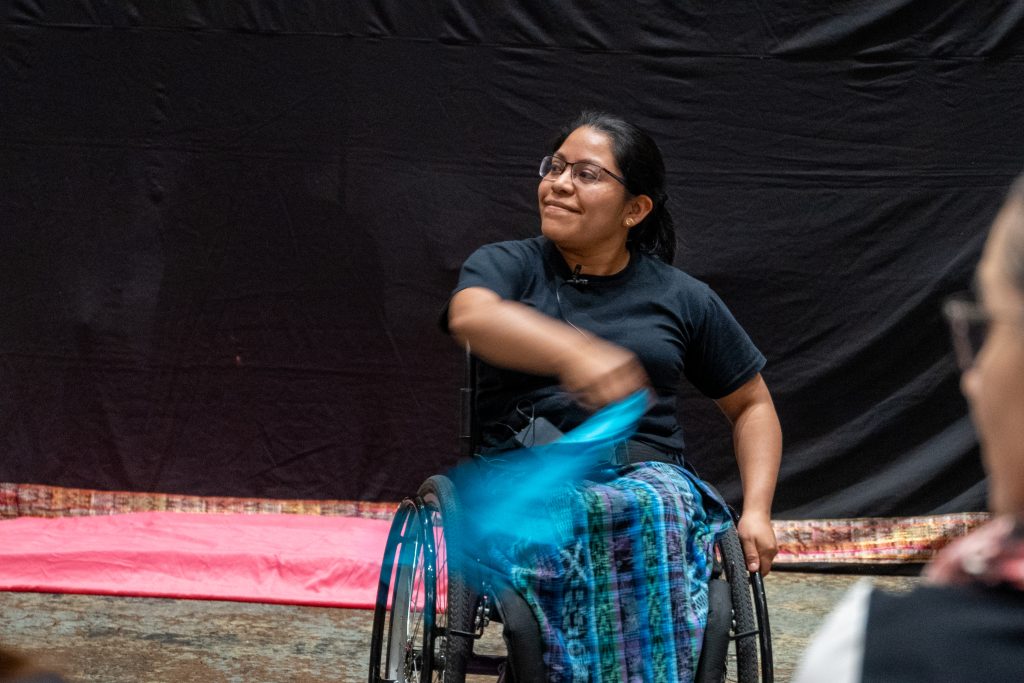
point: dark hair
(1013, 256)
(639, 159)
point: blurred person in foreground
(966, 621)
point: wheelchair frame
(429, 611)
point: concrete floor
(141, 640)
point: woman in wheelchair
(584, 315)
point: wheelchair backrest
(469, 429)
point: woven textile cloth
(832, 542)
(870, 540)
(34, 500)
(620, 591)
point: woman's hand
(600, 372)
(757, 440)
(758, 540)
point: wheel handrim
(406, 623)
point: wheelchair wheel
(744, 626)
(454, 625)
(422, 622)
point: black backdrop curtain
(227, 228)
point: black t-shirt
(673, 322)
(940, 633)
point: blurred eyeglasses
(969, 323)
(583, 172)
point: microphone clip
(576, 279)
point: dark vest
(945, 635)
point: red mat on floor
(293, 559)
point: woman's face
(994, 386)
(585, 218)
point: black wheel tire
(746, 647)
(454, 608)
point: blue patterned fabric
(620, 587)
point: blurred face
(994, 385)
(584, 218)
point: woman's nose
(564, 181)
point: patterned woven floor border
(34, 500)
(871, 540)
(860, 541)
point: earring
(629, 222)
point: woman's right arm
(514, 336)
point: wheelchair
(434, 602)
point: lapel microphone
(576, 279)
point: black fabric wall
(227, 228)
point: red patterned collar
(992, 556)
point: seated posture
(582, 316)
(966, 622)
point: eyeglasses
(969, 325)
(583, 172)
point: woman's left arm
(757, 440)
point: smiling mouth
(560, 207)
